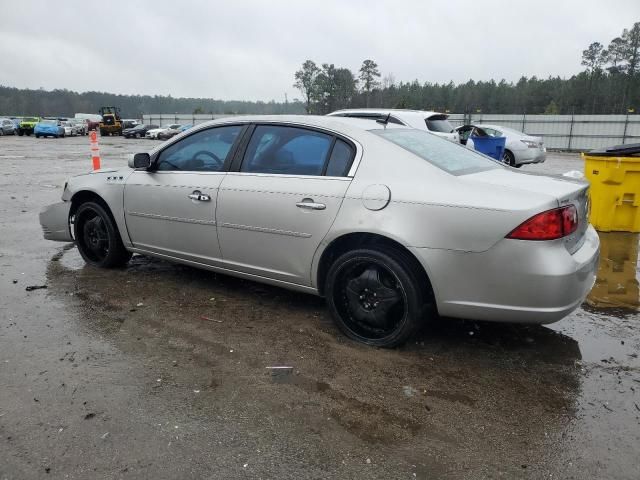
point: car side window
(464, 133)
(341, 159)
(286, 150)
(204, 151)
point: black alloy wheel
(377, 297)
(97, 237)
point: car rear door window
(286, 150)
(204, 151)
(340, 160)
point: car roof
(341, 124)
(385, 111)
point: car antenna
(385, 121)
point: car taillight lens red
(549, 225)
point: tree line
(15, 101)
(610, 83)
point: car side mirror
(140, 160)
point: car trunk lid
(566, 191)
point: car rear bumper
(530, 155)
(54, 221)
(514, 281)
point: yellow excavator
(111, 123)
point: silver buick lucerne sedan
(392, 225)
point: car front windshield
(50, 122)
(448, 156)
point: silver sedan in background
(7, 127)
(392, 225)
(520, 148)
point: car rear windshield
(438, 123)
(444, 154)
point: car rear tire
(377, 297)
(97, 237)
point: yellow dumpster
(614, 174)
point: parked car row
(43, 127)
(155, 132)
(53, 127)
(72, 126)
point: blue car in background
(49, 128)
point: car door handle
(309, 204)
(199, 196)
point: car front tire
(378, 296)
(97, 237)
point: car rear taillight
(549, 225)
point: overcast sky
(249, 49)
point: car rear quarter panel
(430, 208)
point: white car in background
(432, 122)
(153, 133)
(69, 129)
(519, 149)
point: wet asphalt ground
(160, 371)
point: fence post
(573, 113)
(524, 120)
(626, 124)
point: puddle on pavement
(616, 289)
